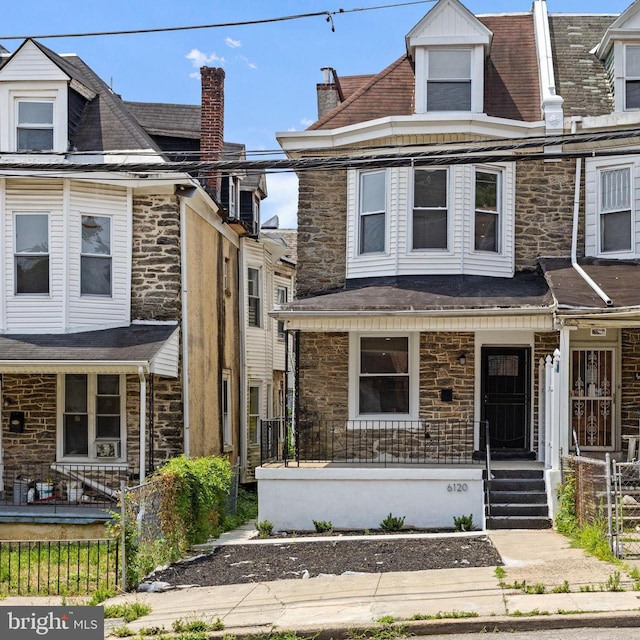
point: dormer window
(34, 125)
(449, 80)
(632, 77)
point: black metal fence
(61, 567)
(385, 442)
(57, 485)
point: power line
(327, 14)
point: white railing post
(548, 407)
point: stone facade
(544, 211)
(322, 214)
(155, 261)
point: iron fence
(385, 442)
(60, 567)
(57, 485)
(626, 508)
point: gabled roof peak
(448, 21)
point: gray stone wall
(322, 228)
(544, 211)
(155, 264)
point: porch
(60, 494)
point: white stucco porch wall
(360, 498)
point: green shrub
(566, 519)
(463, 523)
(392, 523)
(323, 526)
(265, 528)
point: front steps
(516, 499)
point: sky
(271, 69)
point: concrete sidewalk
(335, 605)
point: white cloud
(306, 122)
(200, 59)
(234, 44)
(249, 64)
(282, 199)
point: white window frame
(92, 389)
(499, 213)
(255, 296)
(226, 410)
(102, 256)
(627, 77)
(412, 210)
(31, 254)
(254, 438)
(282, 297)
(459, 80)
(362, 214)
(599, 213)
(413, 345)
(32, 126)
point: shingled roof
(511, 91)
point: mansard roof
(580, 75)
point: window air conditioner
(107, 448)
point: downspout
(244, 427)
(574, 236)
(184, 327)
(143, 423)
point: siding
(31, 64)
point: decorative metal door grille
(592, 397)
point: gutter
(574, 236)
(185, 332)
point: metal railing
(61, 567)
(62, 485)
(384, 442)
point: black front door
(506, 397)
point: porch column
(143, 422)
(555, 410)
(563, 399)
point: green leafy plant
(128, 611)
(566, 520)
(463, 523)
(265, 528)
(563, 588)
(444, 615)
(323, 526)
(392, 523)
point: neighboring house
(119, 284)
(467, 275)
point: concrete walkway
(337, 604)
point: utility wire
(327, 14)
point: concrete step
(516, 484)
(516, 522)
(518, 497)
(519, 509)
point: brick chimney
(212, 125)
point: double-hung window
(92, 416)
(282, 296)
(449, 80)
(615, 219)
(95, 259)
(383, 375)
(487, 211)
(372, 212)
(430, 209)
(632, 77)
(31, 257)
(254, 299)
(34, 125)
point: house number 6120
(457, 487)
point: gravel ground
(251, 562)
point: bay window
(430, 210)
(95, 259)
(372, 212)
(31, 257)
(487, 211)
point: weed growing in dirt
(323, 526)
(444, 615)
(128, 611)
(265, 528)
